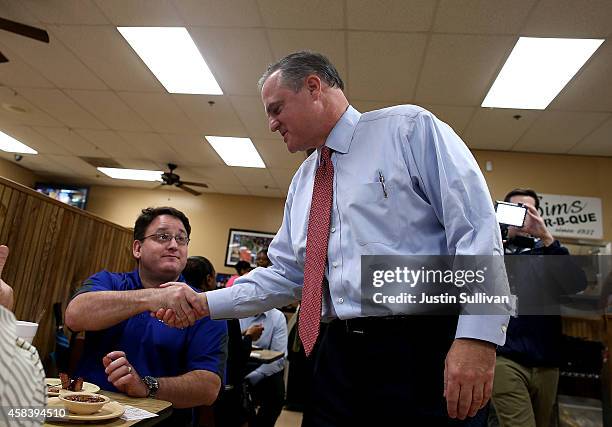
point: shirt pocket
(371, 215)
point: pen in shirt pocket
(381, 178)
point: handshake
(178, 305)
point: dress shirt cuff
(491, 328)
(221, 304)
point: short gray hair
(299, 65)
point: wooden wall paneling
(6, 218)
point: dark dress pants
(382, 372)
(269, 397)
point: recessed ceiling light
(537, 70)
(171, 54)
(11, 145)
(236, 151)
(132, 174)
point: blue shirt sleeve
(207, 348)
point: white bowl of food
(83, 403)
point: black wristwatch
(152, 384)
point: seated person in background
(266, 381)
(262, 259)
(242, 268)
(22, 378)
(128, 350)
(229, 410)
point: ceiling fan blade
(189, 190)
(24, 30)
(3, 58)
(197, 184)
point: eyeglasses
(163, 238)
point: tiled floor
(289, 419)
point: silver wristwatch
(152, 384)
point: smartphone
(510, 213)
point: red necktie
(316, 251)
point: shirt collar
(339, 139)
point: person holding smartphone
(527, 365)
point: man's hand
(123, 375)
(534, 225)
(254, 331)
(181, 300)
(6, 292)
(168, 315)
(468, 377)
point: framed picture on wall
(243, 245)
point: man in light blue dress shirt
(434, 201)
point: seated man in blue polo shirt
(128, 350)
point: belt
(365, 325)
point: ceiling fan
(22, 30)
(170, 178)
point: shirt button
(504, 328)
(333, 229)
(340, 300)
(335, 264)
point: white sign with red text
(572, 216)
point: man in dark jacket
(527, 367)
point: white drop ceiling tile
(52, 60)
(71, 141)
(459, 69)
(598, 143)
(237, 57)
(104, 51)
(83, 12)
(74, 164)
(497, 129)
(264, 192)
(314, 14)
(398, 55)
(456, 117)
(192, 149)
(43, 163)
(111, 143)
(570, 18)
(33, 139)
(140, 164)
(11, 100)
(254, 177)
(151, 145)
(217, 175)
(136, 13)
(159, 111)
(218, 119)
(252, 114)
(16, 11)
(109, 109)
(55, 103)
(16, 72)
(215, 13)
(478, 17)
(365, 106)
(590, 89)
(238, 190)
(275, 154)
(558, 132)
(282, 177)
(329, 43)
(390, 15)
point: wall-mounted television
(72, 195)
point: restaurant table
(265, 356)
(159, 407)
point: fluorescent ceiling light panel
(10, 144)
(537, 70)
(236, 151)
(173, 57)
(132, 174)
